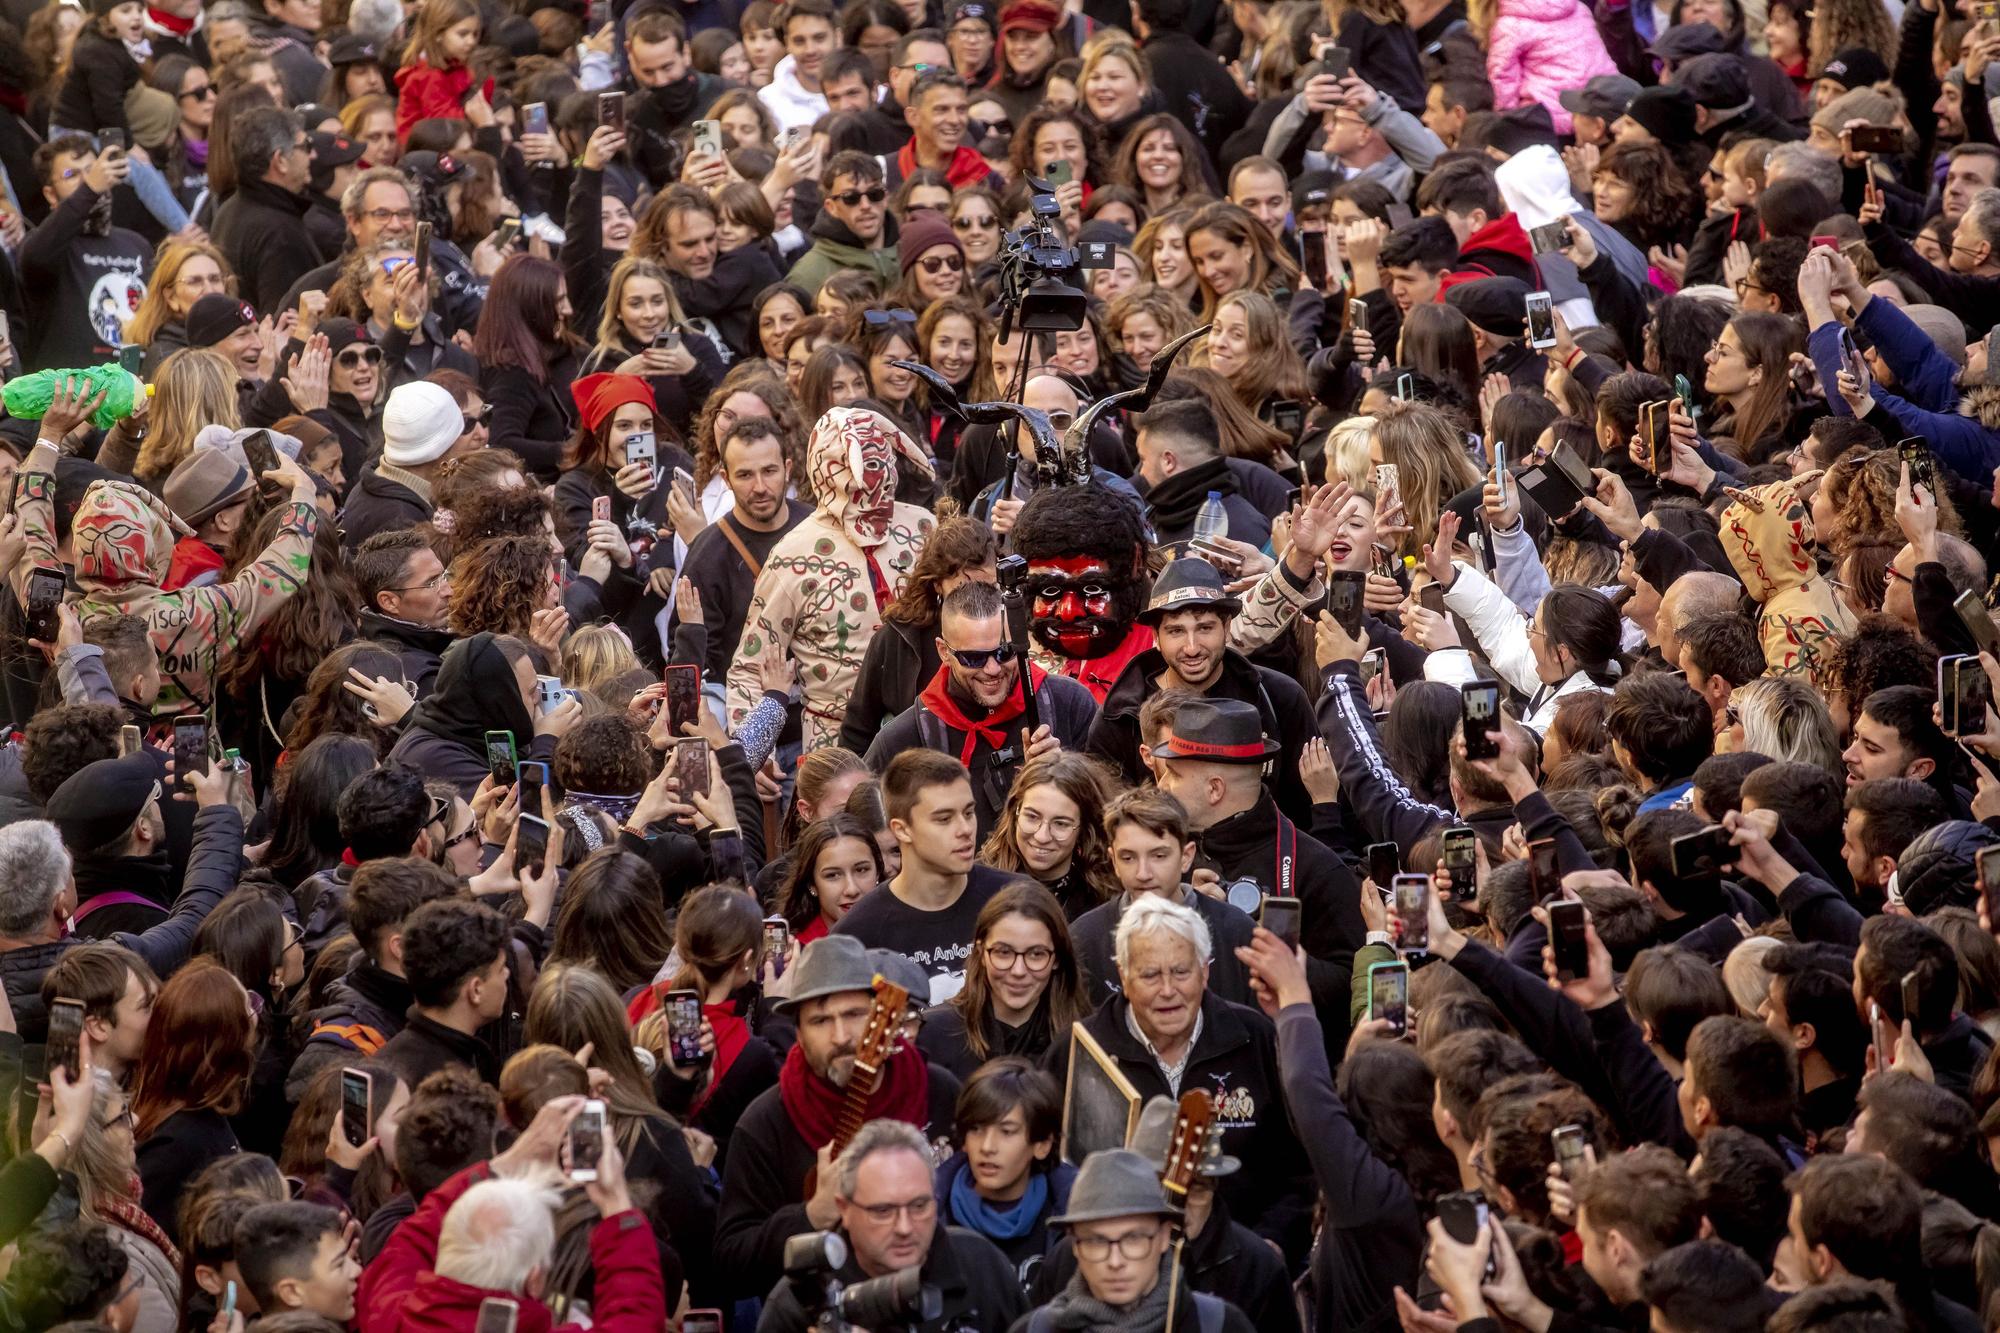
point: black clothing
(1093, 935)
(654, 115)
(1174, 504)
(1244, 846)
(677, 398)
(978, 1287)
(1227, 1260)
(79, 282)
(754, 1069)
(420, 647)
(942, 1037)
(425, 1046)
(324, 224)
(534, 418)
(377, 504)
(357, 426)
(900, 660)
(290, 49)
(1278, 699)
(763, 1189)
(92, 96)
(175, 1153)
(1196, 87)
(445, 735)
(575, 493)
(364, 1011)
(151, 877)
(723, 297)
(261, 231)
(939, 942)
(1235, 1058)
(726, 584)
(1061, 704)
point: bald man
(997, 505)
(1699, 592)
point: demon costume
(1086, 579)
(825, 584)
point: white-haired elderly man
(1169, 1035)
(489, 1232)
(889, 1220)
(38, 898)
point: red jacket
(423, 93)
(400, 1292)
(193, 557)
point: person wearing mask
(79, 275)
(972, 706)
(1120, 1230)
(1168, 1033)
(1152, 852)
(673, 93)
(261, 228)
(406, 599)
(1189, 613)
(785, 1137)
(455, 960)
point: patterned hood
(852, 459)
(1768, 535)
(124, 537)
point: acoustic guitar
(880, 1036)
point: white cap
(421, 421)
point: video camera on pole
(1040, 274)
(881, 1305)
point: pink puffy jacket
(1539, 49)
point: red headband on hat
(598, 396)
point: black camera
(894, 1300)
(1040, 274)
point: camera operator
(888, 1216)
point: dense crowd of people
(999, 666)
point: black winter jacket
(363, 1010)
(261, 231)
(534, 419)
(900, 659)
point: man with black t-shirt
(724, 561)
(928, 910)
(81, 277)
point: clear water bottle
(1213, 520)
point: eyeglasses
(352, 357)
(975, 659)
(920, 67)
(882, 319)
(472, 420)
(378, 216)
(987, 223)
(1744, 286)
(1002, 957)
(303, 146)
(430, 584)
(395, 263)
(1133, 1245)
(124, 1117)
(952, 263)
(440, 807)
(882, 1213)
(853, 197)
(471, 832)
(201, 94)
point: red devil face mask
(1072, 611)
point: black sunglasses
(853, 197)
(883, 319)
(473, 420)
(351, 357)
(975, 659)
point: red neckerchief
(732, 1034)
(992, 728)
(161, 19)
(119, 1208)
(814, 1105)
(1099, 674)
(966, 167)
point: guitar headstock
(1187, 1145)
(884, 1026)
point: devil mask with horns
(1086, 579)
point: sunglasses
(473, 420)
(394, 263)
(943, 263)
(987, 223)
(201, 94)
(853, 197)
(359, 356)
(884, 318)
(975, 659)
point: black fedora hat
(1186, 583)
(1221, 731)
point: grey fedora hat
(1156, 1132)
(1116, 1182)
(831, 965)
(905, 971)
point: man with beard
(973, 707)
(854, 230)
(786, 1135)
(406, 598)
(1086, 578)
(76, 261)
(1189, 614)
(674, 93)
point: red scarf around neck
(904, 1093)
(732, 1034)
(992, 728)
(966, 167)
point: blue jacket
(1929, 403)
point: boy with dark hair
(1884, 815)
(1928, 1132)
(1841, 1307)
(1718, 783)
(1895, 949)
(1520, 1113)
(1661, 730)
(1741, 1179)
(1414, 260)
(74, 1271)
(447, 1126)
(1631, 1209)
(1704, 1286)
(1859, 1216)
(1719, 653)
(294, 1256)
(455, 956)
(1462, 1067)
(117, 988)
(1811, 1003)
(1807, 799)
(1881, 652)
(1006, 1125)
(382, 813)
(1895, 736)
(1739, 1073)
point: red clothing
(192, 558)
(966, 167)
(423, 93)
(814, 929)
(401, 1293)
(1098, 674)
(992, 728)
(1500, 249)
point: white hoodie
(787, 99)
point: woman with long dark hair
(332, 704)
(1051, 828)
(193, 1074)
(527, 359)
(1436, 340)
(305, 819)
(1163, 163)
(1749, 373)
(901, 659)
(1233, 252)
(612, 921)
(1023, 986)
(249, 934)
(833, 864)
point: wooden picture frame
(1100, 1105)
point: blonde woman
(1247, 345)
(596, 655)
(642, 332)
(1429, 455)
(1116, 85)
(1349, 453)
(1161, 249)
(183, 273)
(193, 389)
(1140, 323)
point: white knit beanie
(421, 421)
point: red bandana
(814, 1104)
(992, 728)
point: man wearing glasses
(261, 228)
(76, 261)
(854, 229)
(889, 1222)
(972, 707)
(376, 206)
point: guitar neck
(854, 1110)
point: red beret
(598, 396)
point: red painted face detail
(1072, 601)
